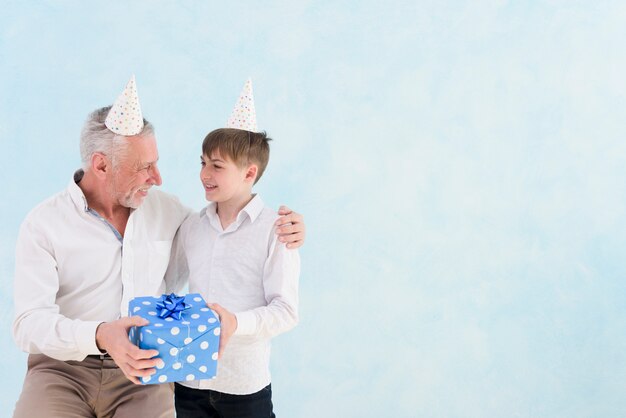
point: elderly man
(81, 256)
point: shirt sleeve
(38, 326)
(280, 283)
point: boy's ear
(100, 165)
(251, 172)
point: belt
(104, 356)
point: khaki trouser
(94, 387)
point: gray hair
(96, 137)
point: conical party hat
(244, 115)
(125, 117)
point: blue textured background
(461, 167)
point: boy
(230, 255)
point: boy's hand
(228, 323)
(134, 362)
(290, 227)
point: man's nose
(155, 175)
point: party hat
(244, 115)
(125, 116)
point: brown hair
(242, 147)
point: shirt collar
(76, 193)
(252, 210)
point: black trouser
(199, 403)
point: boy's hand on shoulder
(290, 227)
(228, 324)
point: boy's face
(224, 180)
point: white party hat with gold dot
(244, 115)
(125, 117)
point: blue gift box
(184, 331)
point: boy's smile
(209, 187)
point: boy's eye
(217, 166)
(202, 163)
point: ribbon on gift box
(171, 305)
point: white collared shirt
(250, 273)
(72, 272)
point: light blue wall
(460, 166)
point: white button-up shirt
(249, 272)
(73, 272)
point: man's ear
(251, 173)
(100, 165)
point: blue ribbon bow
(171, 305)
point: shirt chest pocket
(152, 261)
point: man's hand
(228, 324)
(112, 337)
(290, 227)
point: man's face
(136, 172)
